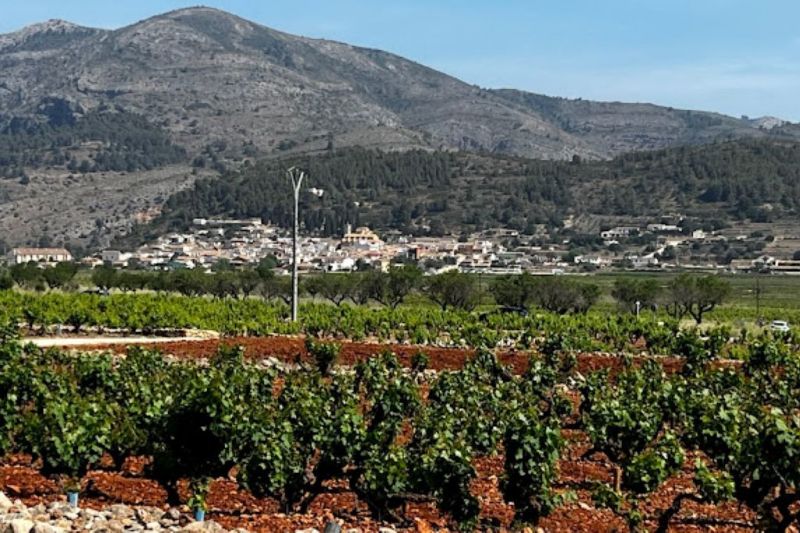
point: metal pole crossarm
(297, 176)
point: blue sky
(733, 56)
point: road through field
(68, 342)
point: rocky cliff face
(209, 76)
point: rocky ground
(58, 517)
(71, 207)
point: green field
(779, 296)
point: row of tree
(31, 276)
(684, 295)
(449, 290)
(681, 296)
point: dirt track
(86, 342)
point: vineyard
(485, 444)
(149, 313)
(402, 415)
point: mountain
(208, 76)
(136, 114)
(51, 35)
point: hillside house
(115, 258)
(663, 228)
(39, 255)
(619, 232)
(595, 260)
(786, 266)
(643, 261)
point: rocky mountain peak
(207, 19)
(209, 76)
(199, 10)
(768, 122)
(42, 35)
(52, 26)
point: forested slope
(443, 191)
(103, 139)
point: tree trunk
(672, 510)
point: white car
(779, 325)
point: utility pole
(758, 300)
(297, 176)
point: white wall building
(39, 255)
(619, 231)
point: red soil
(290, 348)
(233, 507)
